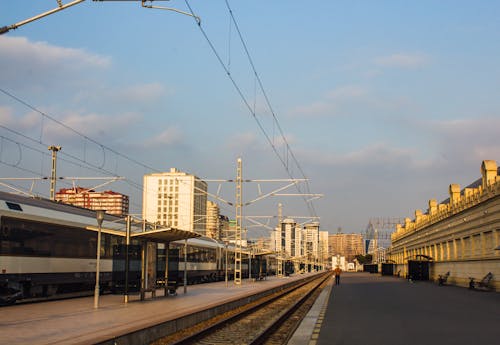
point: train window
(13, 206)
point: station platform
(373, 309)
(75, 321)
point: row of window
(28, 238)
(170, 209)
(474, 246)
(168, 181)
(170, 189)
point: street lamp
(100, 217)
(225, 244)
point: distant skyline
(384, 104)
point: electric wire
(284, 161)
(75, 131)
(268, 102)
(86, 164)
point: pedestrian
(337, 272)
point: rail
(253, 323)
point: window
(13, 206)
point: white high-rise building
(213, 225)
(310, 240)
(287, 238)
(323, 245)
(175, 199)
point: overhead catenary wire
(75, 131)
(73, 159)
(268, 102)
(284, 159)
(288, 150)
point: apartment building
(175, 199)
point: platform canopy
(164, 235)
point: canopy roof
(164, 235)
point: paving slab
(75, 321)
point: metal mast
(238, 233)
(53, 177)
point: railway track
(270, 320)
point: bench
(443, 278)
(483, 284)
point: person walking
(337, 272)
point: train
(48, 251)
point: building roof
(475, 184)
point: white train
(48, 250)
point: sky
(379, 104)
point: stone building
(459, 235)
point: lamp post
(225, 244)
(100, 217)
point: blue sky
(384, 103)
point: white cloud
(6, 115)
(42, 53)
(135, 95)
(27, 56)
(347, 92)
(93, 125)
(333, 102)
(376, 154)
(471, 140)
(402, 60)
(243, 140)
(30, 62)
(169, 136)
(142, 92)
(318, 108)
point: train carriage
(48, 250)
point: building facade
(346, 245)
(324, 251)
(224, 227)
(175, 199)
(109, 201)
(310, 240)
(460, 235)
(213, 224)
(288, 238)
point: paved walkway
(75, 321)
(377, 310)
